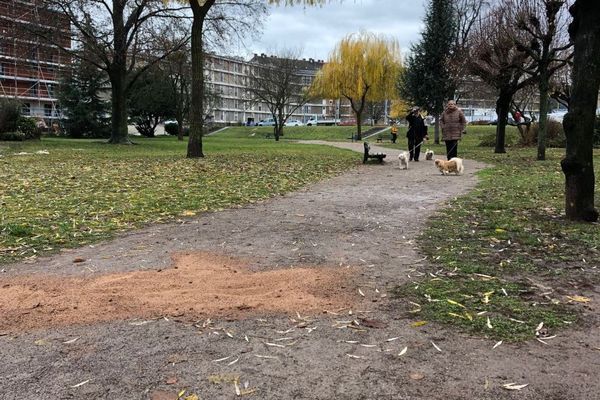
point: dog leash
(413, 149)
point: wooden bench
(367, 155)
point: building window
(26, 109)
(50, 88)
(48, 110)
(3, 69)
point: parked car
(266, 122)
(293, 122)
(322, 121)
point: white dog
(403, 160)
(429, 154)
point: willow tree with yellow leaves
(200, 9)
(362, 68)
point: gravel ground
(365, 222)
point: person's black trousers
(451, 148)
(394, 137)
(414, 148)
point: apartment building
(30, 69)
(229, 78)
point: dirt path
(323, 327)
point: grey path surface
(368, 217)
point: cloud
(316, 30)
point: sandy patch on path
(197, 285)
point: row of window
(26, 110)
(7, 69)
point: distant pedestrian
(394, 133)
(417, 132)
(453, 124)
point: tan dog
(453, 165)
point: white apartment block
(229, 77)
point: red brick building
(30, 68)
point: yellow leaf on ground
(418, 323)
(579, 299)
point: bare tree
(560, 85)
(542, 36)
(213, 16)
(467, 14)
(578, 165)
(277, 82)
(178, 69)
(495, 59)
(121, 37)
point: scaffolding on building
(29, 67)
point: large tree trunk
(179, 128)
(436, 129)
(502, 109)
(358, 125)
(118, 134)
(579, 122)
(542, 127)
(194, 148)
(117, 74)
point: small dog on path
(453, 165)
(403, 160)
(429, 155)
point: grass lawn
(84, 190)
(504, 253)
(331, 133)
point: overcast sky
(316, 30)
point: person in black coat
(417, 132)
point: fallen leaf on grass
(514, 386)
(222, 359)
(78, 260)
(41, 342)
(418, 323)
(361, 293)
(456, 303)
(354, 356)
(71, 341)
(579, 299)
(233, 362)
(497, 344)
(191, 397)
(488, 323)
(80, 384)
(436, 346)
(403, 351)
